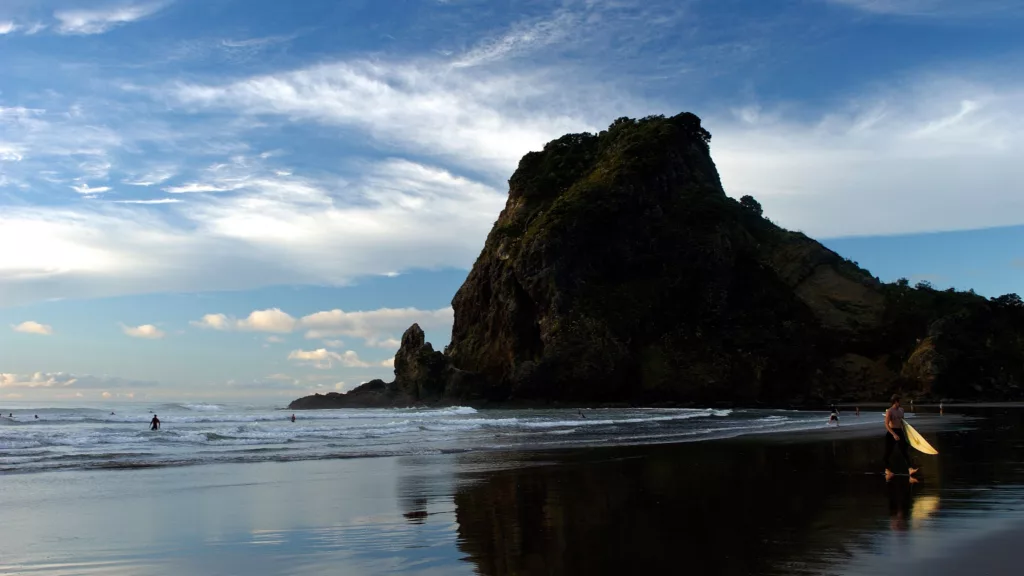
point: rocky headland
(620, 272)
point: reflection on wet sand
(738, 507)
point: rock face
(619, 271)
(419, 369)
(373, 394)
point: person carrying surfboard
(895, 436)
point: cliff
(619, 271)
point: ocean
(118, 436)
(499, 493)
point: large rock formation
(619, 271)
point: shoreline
(811, 501)
(806, 431)
(556, 405)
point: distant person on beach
(858, 411)
(894, 436)
(154, 423)
(293, 417)
(834, 416)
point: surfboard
(916, 441)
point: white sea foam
(204, 432)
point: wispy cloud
(153, 201)
(146, 331)
(199, 188)
(33, 327)
(6, 27)
(86, 189)
(469, 117)
(523, 37)
(233, 51)
(151, 178)
(98, 21)
(935, 8)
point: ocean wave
(206, 432)
(202, 407)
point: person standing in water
(293, 417)
(834, 416)
(894, 436)
(154, 424)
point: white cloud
(66, 380)
(275, 339)
(378, 328)
(98, 21)
(86, 189)
(272, 320)
(37, 380)
(147, 331)
(33, 327)
(213, 321)
(389, 343)
(323, 358)
(6, 27)
(375, 327)
(389, 363)
(398, 215)
(938, 154)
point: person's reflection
(900, 502)
(414, 489)
(415, 510)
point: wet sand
(807, 503)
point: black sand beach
(808, 503)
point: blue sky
(253, 199)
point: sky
(252, 199)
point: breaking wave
(119, 437)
